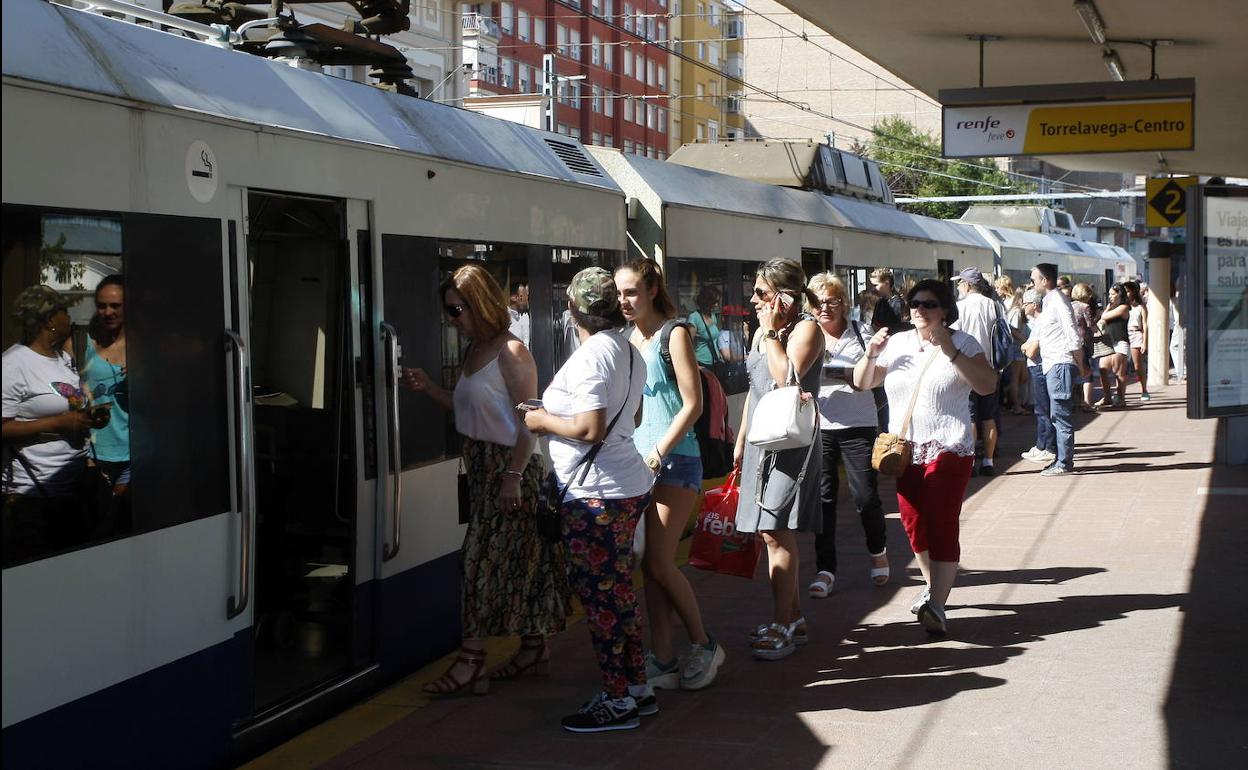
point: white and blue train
(292, 537)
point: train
(292, 534)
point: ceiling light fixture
(1092, 20)
(1114, 65)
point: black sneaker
(987, 470)
(603, 714)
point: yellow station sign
(1035, 120)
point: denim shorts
(681, 471)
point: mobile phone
(529, 405)
(786, 301)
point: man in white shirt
(1061, 355)
(977, 314)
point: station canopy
(927, 46)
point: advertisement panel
(1220, 270)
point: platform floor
(1099, 621)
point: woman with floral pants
(589, 412)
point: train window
(566, 263)
(712, 296)
(64, 367)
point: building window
(702, 51)
(700, 91)
(608, 56)
(539, 32)
(608, 140)
(640, 64)
(628, 109)
(662, 120)
(714, 55)
(628, 18)
(575, 133)
(596, 105)
(574, 95)
(563, 129)
(650, 72)
(609, 104)
(712, 131)
(699, 132)
(561, 39)
(595, 7)
(662, 77)
(574, 44)
(628, 63)
(595, 137)
(505, 15)
(650, 28)
(595, 50)
(526, 79)
(522, 25)
(662, 155)
(628, 145)
(662, 33)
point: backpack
(716, 440)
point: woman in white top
(514, 580)
(944, 366)
(848, 426)
(47, 419)
(594, 400)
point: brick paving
(1099, 621)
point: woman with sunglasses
(937, 368)
(848, 427)
(514, 580)
(780, 490)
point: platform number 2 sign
(1167, 201)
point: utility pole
(548, 92)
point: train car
(711, 230)
(1097, 264)
(290, 537)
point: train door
(302, 284)
(1109, 281)
(944, 268)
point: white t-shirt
(596, 377)
(840, 406)
(32, 389)
(976, 316)
(942, 414)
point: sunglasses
(926, 304)
(763, 294)
(454, 311)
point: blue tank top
(106, 382)
(659, 404)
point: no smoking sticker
(201, 171)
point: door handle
(390, 336)
(245, 454)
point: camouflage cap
(36, 302)
(592, 291)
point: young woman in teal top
(671, 403)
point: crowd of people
(623, 468)
(626, 472)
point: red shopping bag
(717, 545)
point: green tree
(910, 161)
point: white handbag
(782, 419)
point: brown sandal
(538, 666)
(449, 685)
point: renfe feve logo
(986, 125)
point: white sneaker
(662, 678)
(923, 597)
(1030, 453)
(701, 665)
(1043, 457)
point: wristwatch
(654, 462)
(771, 334)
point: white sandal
(823, 584)
(797, 630)
(775, 644)
(880, 575)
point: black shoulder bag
(550, 497)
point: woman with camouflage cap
(46, 425)
(594, 400)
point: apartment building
(709, 55)
(611, 67)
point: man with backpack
(980, 315)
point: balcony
(734, 67)
(474, 24)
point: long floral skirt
(515, 582)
